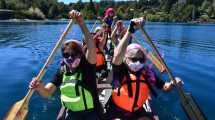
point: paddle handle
(49, 59)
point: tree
(207, 8)
(3, 4)
(195, 2)
(167, 4)
(35, 13)
(53, 11)
(44, 6)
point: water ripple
(187, 49)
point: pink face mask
(71, 62)
(76, 63)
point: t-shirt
(119, 71)
(89, 77)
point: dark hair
(71, 49)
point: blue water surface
(188, 50)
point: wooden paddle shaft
(49, 59)
(148, 39)
(94, 25)
(192, 110)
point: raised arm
(119, 51)
(113, 34)
(104, 37)
(91, 48)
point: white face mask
(135, 66)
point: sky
(74, 1)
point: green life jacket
(73, 95)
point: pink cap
(135, 50)
(108, 11)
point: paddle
(152, 58)
(189, 105)
(20, 109)
(94, 25)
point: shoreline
(88, 21)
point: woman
(75, 78)
(118, 32)
(132, 79)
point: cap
(135, 50)
(108, 11)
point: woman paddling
(109, 19)
(132, 80)
(100, 38)
(75, 78)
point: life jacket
(74, 96)
(100, 58)
(132, 92)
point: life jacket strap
(84, 98)
(128, 79)
(137, 92)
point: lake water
(189, 50)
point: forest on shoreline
(152, 10)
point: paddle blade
(192, 109)
(18, 111)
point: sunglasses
(141, 60)
(67, 55)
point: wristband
(172, 83)
(131, 27)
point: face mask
(72, 62)
(135, 66)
